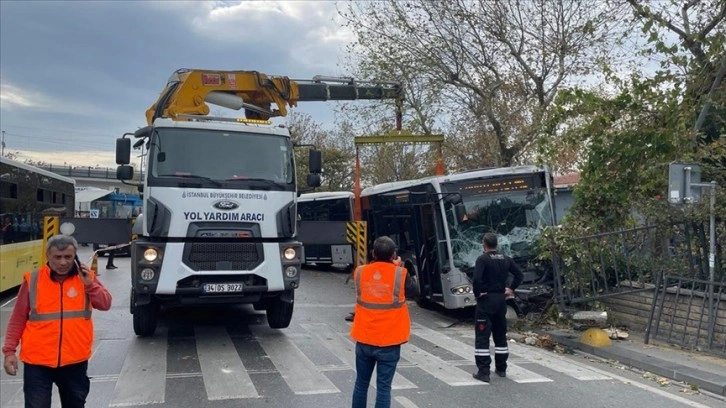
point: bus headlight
(289, 254)
(147, 274)
(461, 290)
(151, 254)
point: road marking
(466, 351)
(301, 374)
(557, 363)
(437, 367)
(143, 376)
(344, 349)
(224, 374)
(405, 402)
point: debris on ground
(615, 333)
(662, 381)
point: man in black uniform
(491, 273)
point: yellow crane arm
(189, 90)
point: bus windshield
(338, 209)
(515, 216)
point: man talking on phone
(51, 321)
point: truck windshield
(221, 158)
(516, 217)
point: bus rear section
(323, 219)
(27, 195)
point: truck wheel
(145, 317)
(279, 311)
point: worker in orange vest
(52, 323)
(382, 322)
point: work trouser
(491, 318)
(72, 382)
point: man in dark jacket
(491, 274)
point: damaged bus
(438, 223)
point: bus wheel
(279, 310)
(145, 317)
(423, 300)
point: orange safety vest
(59, 330)
(381, 313)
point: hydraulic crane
(188, 91)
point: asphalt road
(228, 357)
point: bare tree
(495, 66)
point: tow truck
(219, 193)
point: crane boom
(189, 90)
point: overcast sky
(76, 75)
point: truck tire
(145, 317)
(279, 311)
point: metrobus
(322, 227)
(438, 223)
(27, 194)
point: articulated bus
(438, 224)
(27, 194)
(322, 226)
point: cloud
(93, 158)
(12, 96)
(78, 74)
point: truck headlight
(147, 274)
(291, 271)
(289, 254)
(151, 254)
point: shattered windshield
(516, 217)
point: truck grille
(213, 256)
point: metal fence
(614, 263)
(86, 172)
(608, 264)
(689, 312)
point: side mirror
(315, 161)
(314, 180)
(459, 211)
(453, 198)
(123, 151)
(124, 172)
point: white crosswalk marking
(143, 375)
(437, 367)
(225, 377)
(557, 363)
(301, 374)
(466, 351)
(344, 349)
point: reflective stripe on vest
(380, 306)
(37, 317)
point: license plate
(222, 287)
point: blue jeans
(366, 358)
(72, 381)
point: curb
(704, 380)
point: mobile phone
(77, 266)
